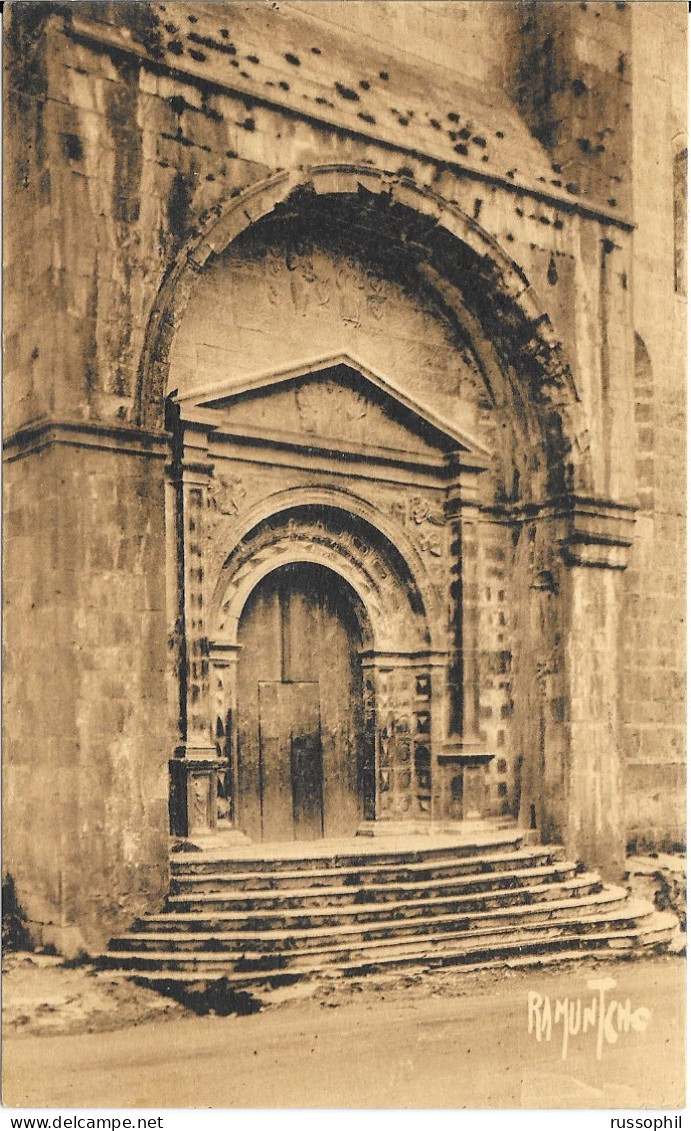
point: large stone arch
(471, 275)
(376, 573)
(377, 531)
(467, 279)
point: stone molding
(372, 576)
(588, 531)
(599, 533)
(211, 410)
(33, 438)
(278, 502)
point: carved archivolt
(381, 520)
(397, 619)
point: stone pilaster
(196, 764)
(461, 758)
(223, 661)
(595, 537)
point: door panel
(290, 761)
(260, 659)
(306, 761)
(341, 715)
(300, 632)
(274, 761)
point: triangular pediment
(331, 402)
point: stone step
(389, 892)
(269, 981)
(302, 856)
(265, 938)
(501, 862)
(638, 920)
(638, 937)
(275, 914)
(649, 929)
(213, 902)
(213, 967)
(228, 943)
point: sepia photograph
(344, 559)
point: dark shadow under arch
(441, 253)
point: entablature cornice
(100, 435)
(339, 457)
(208, 69)
(590, 531)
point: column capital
(462, 493)
(223, 653)
(590, 531)
(198, 756)
(596, 532)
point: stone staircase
(272, 915)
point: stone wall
(134, 158)
(570, 74)
(88, 717)
(653, 688)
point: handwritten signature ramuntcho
(567, 1017)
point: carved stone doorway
(304, 758)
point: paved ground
(439, 1040)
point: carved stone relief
(403, 727)
(199, 789)
(387, 595)
(422, 510)
(231, 494)
(319, 405)
(226, 493)
(303, 279)
(423, 517)
(307, 288)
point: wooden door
(306, 771)
(290, 760)
(300, 714)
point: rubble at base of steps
(661, 878)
